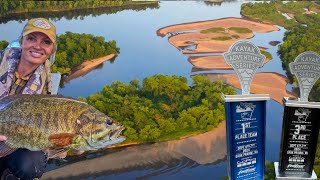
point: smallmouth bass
(38, 122)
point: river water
(142, 54)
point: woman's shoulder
(10, 53)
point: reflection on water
(163, 158)
(76, 13)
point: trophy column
(245, 116)
(300, 126)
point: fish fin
(55, 152)
(62, 98)
(62, 139)
(6, 149)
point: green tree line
(163, 107)
(22, 10)
(74, 49)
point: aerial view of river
(143, 53)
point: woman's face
(36, 48)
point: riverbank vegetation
(3, 44)
(74, 49)
(163, 107)
(22, 10)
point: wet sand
(224, 22)
(183, 35)
(205, 148)
(87, 66)
(212, 62)
(262, 83)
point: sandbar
(187, 34)
(212, 62)
(87, 66)
(262, 83)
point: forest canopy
(74, 49)
(163, 107)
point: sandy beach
(87, 66)
(224, 22)
(262, 83)
(212, 62)
(183, 35)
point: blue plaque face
(246, 139)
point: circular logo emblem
(41, 24)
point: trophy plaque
(300, 126)
(245, 115)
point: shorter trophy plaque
(245, 116)
(300, 126)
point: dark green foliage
(3, 44)
(73, 49)
(263, 12)
(236, 36)
(266, 53)
(213, 30)
(164, 107)
(269, 173)
(222, 38)
(240, 29)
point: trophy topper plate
(245, 58)
(306, 67)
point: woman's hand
(3, 138)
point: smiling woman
(26, 70)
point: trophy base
(281, 177)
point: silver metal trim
(250, 97)
(306, 68)
(245, 58)
(295, 103)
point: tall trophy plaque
(300, 126)
(245, 115)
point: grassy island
(163, 107)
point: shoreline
(87, 66)
(189, 35)
(206, 21)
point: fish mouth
(111, 138)
(116, 132)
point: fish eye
(109, 122)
